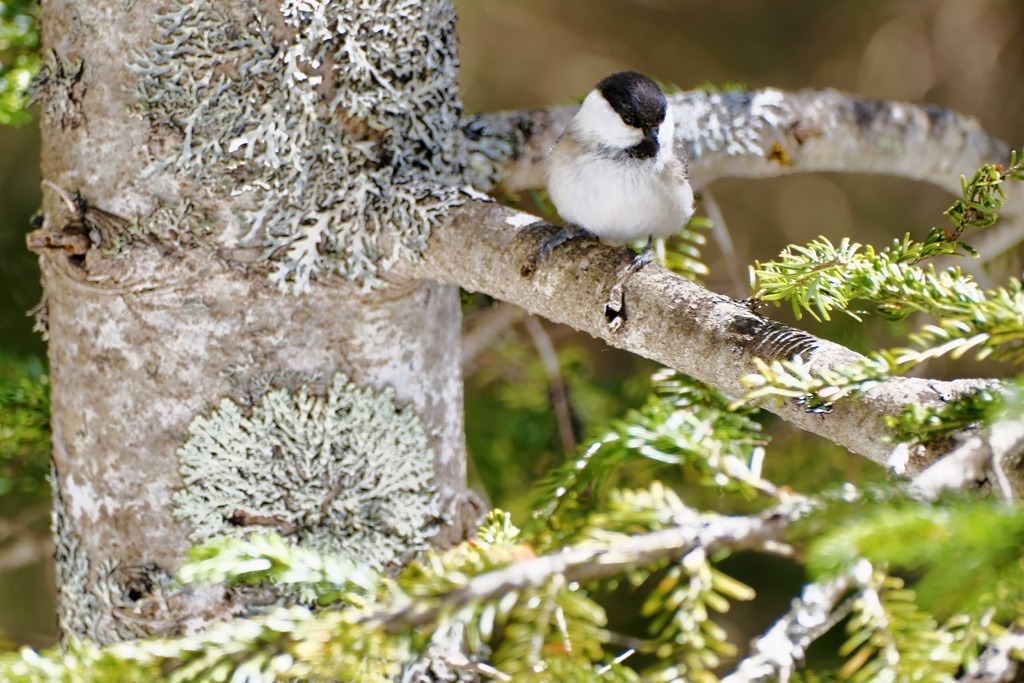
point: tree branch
(776, 654)
(711, 533)
(998, 662)
(997, 450)
(661, 316)
(761, 134)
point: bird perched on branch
(614, 174)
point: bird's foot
(565, 234)
(645, 256)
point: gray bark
(160, 303)
(664, 317)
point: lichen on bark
(333, 126)
(338, 468)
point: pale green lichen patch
(333, 124)
(344, 470)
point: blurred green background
(967, 55)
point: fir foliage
(686, 592)
(920, 424)
(288, 643)
(523, 603)
(684, 423)
(24, 428)
(821, 278)
(316, 578)
(530, 631)
(964, 554)
(682, 253)
(544, 627)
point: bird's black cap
(635, 98)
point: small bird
(614, 174)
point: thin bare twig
(720, 233)
(559, 393)
(485, 327)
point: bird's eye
(629, 120)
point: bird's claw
(565, 234)
(644, 257)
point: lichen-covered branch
(769, 133)
(659, 315)
(998, 448)
(998, 663)
(777, 653)
(760, 134)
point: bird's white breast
(619, 199)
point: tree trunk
(226, 188)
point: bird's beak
(652, 135)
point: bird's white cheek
(597, 122)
